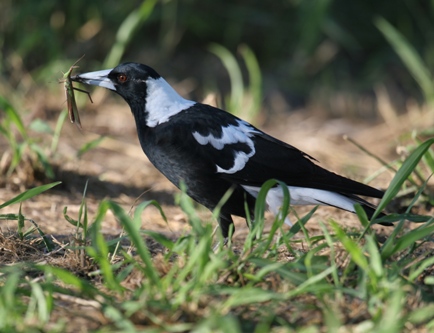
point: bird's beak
(99, 78)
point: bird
(212, 151)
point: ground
(118, 169)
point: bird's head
(147, 93)
(128, 80)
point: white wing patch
(302, 196)
(163, 102)
(230, 135)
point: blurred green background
(310, 52)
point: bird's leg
(226, 225)
(217, 246)
(225, 222)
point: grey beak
(98, 78)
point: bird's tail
(310, 196)
(367, 207)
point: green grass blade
(330, 243)
(236, 78)
(56, 136)
(47, 241)
(301, 223)
(249, 295)
(260, 207)
(375, 260)
(412, 236)
(38, 125)
(315, 284)
(409, 57)
(99, 249)
(71, 279)
(70, 220)
(289, 271)
(13, 115)
(403, 173)
(352, 247)
(407, 216)
(428, 157)
(89, 145)
(39, 303)
(20, 223)
(126, 31)
(29, 194)
(422, 315)
(137, 241)
(140, 208)
(429, 262)
(43, 159)
(160, 238)
(188, 208)
(255, 78)
(392, 319)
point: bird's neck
(163, 102)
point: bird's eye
(122, 78)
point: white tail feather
(303, 196)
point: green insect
(70, 97)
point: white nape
(163, 102)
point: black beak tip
(76, 78)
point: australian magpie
(212, 151)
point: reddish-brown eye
(122, 78)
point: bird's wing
(245, 155)
(276, 159)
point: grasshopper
(70, 97)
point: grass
(20, 143)
(338, 279)
(244, 102)
(126, 31)
(24, 150)
(410, 57)
(303, 42)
